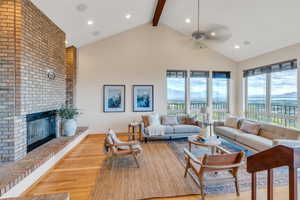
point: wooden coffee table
(211, 142)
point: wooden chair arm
(224, 166)
(192, 157)
(223, 151)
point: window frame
(209, 90)
(268, 73)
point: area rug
(280, 174)
(160, 175)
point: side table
(134, 130)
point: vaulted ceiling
(257, 26)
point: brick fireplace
(33, 72)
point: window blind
(221, 75)
(176, 74)
(199, 74)
(283, 66)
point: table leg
(190, 147)
(129, 133)
(133, 131)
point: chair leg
(202, 190)
(136, 161)
(237, 186)
(186, 169)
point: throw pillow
(231, 122)
(250, 127)
(169, 120)
(145, 119)
(154, 120)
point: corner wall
(138, 56)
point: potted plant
(68, 114)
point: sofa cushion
(250, 127)
(169, 120)
(145, 119)
(271, 131)
(231, 133)
(231, 122)
(257, 142)
(154, 120)
(168, 130)
(186, 129)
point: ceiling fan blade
(218, 33)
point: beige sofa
(184, 127)
(268, 135)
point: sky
(281, 83)
(198, 87)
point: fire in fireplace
(41, 128)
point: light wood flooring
(77, 171)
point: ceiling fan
(212, 32)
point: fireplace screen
(41, 127)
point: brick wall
(30, 46)
(71, 60)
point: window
(257, 98)
(176, 92)
(198, 92)
(271, 93)
(284, 99)
(220, 94)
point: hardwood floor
(77, 171)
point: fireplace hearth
(41, 128)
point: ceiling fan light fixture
(199, 36)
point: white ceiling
(267, 24)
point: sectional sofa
(262, 137)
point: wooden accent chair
(118, 148)
(214, 163)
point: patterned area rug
(280, 174)
(160, 175)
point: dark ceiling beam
(159, 9)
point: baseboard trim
(27, 182)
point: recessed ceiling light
(188, 20)
(90, 22)
(128, 16)
(213, 34)
(237, 46)
(81, 7)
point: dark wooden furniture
(225, 161)
(134, 130)
(272, 158)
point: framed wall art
(113, 98)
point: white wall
(284, 54)
(138, 56)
